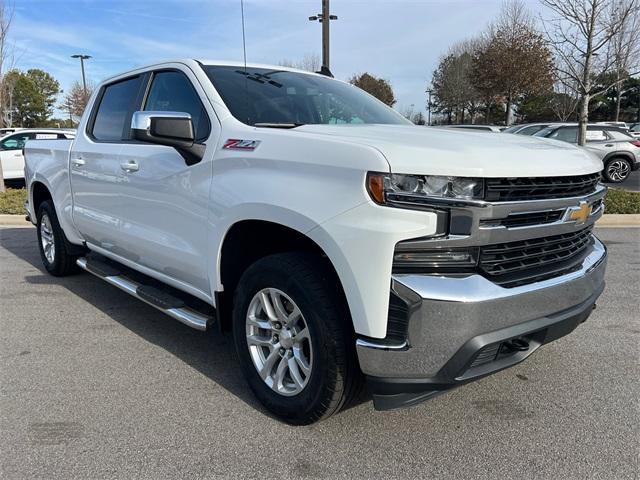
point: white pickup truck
(338, 242)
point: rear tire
(53, 243)
(305, 322)
(617, 170)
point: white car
(336, 240)
(12, 144)
(8, 130)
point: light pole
(428, 91)
(324, 18)
(82, 59)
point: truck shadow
(211, 353)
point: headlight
(399, 188)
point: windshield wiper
(278, 125)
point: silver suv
(619, 151)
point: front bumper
(461, 329)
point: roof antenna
(244, 52)
(244, 41)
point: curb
(619, 220)
(14, 221)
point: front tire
(293, 337)
(617, 170)
(52, 243)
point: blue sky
(400, 40)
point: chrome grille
(536, 188)
(527, 261)
(525, 219)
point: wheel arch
(39, 193)
(617, 154)
(245, 242)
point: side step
(163, 301)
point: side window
(15, 142)
(566, 134)
(596, 135)
(531, 130)
(46, 136)
(172, 92)
(616, 135)
(114, 110)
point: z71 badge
(236, 144)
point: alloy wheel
(618, 170)
(47, 239)
(279, 341)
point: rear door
(96, 176)
(599, 141)
(164, 224)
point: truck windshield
(272, 98)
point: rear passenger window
(114, 110)
(172, 92)
(596, 135)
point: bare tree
(76, 99)
(6, 16)
(625, 51)
(563, 101)
(580, 35)
(310, 62)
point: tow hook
(517, 345)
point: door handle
(78, 162)
(609, 145)
(130, 166)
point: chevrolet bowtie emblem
(580, 214)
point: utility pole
(325, 19)
(428, 91)
(82, 59)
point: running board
(165, 302)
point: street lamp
(324, 18)
(82, 59)
(428, 91)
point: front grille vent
(538, 188)
(527, 219)
(518, 263)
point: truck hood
(456, 152)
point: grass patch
(622, 201)
(12, 201)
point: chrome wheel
(47, 239)
(618, 170)
(279, 341)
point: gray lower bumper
(452, 311)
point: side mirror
(172, 129)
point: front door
(165, 201)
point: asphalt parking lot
(95, 384)
(632, 183)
